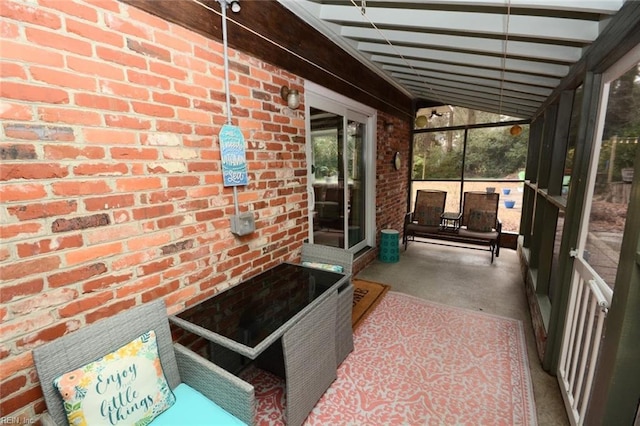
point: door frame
(323, 98)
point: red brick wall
(110, 179)
(391, 184)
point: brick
(148, 49)
(20, 229)
(176, 127)
(171, 99)
(16, 291)
(148, 80)
(43, 301)
(109, 202)
(101, 102)
(119, 57)
(76, 275)
(12, 385)
(111, 233)
(63, 78)
(11, 364)
(17, 152)
(47, 334)
(84, 304)
(91, 66)
(128, 27)
(138, 184)
(70, 116)
(109, 311)
(126, 122)
(11, 111)
(31, 54)
(9, 30)
(90, 31)
(176, 247)
(58, 41)
(48, 245)
(10, 70)
(32, 93)
(32, 171)
(149, 240)
(65, 225)
(153, 109)
(159, 291)
(42, 210)
(194, 116)
(26, 268)
(124, 90)
(154, 267)
(75, 187)
(167, 70)
(152, 212)
(101, 169)
(38, 132)
(109, 136)
(89, 254)
(167, 196)
(134, 153)
(20, 400)
(22, 12)
(72, 8)
(68, 152)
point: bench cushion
(481, 220)
(193, 408)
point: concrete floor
(467, 279)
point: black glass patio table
(250, 316)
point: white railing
(588, 306)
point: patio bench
(478, 225)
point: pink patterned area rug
(417, 362)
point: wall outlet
(243, 224)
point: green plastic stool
(389, 243)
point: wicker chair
(344, 258)
(179, 363)
(425, 218)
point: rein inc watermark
(16, 421)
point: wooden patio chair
(425, 218)
(480, 220)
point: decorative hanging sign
(234, 160)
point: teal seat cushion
(193, 408)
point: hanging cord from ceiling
(406, 61)
(300, 57)
(504, 56)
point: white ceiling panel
(499, 56)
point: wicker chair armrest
(326, 254)
(228, 391)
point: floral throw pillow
(429, 216)
(481, 221)
(125, 387)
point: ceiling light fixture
(290, 96)
(515, 130)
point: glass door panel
(356, 182)
(327, 174)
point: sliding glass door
(338, 152)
